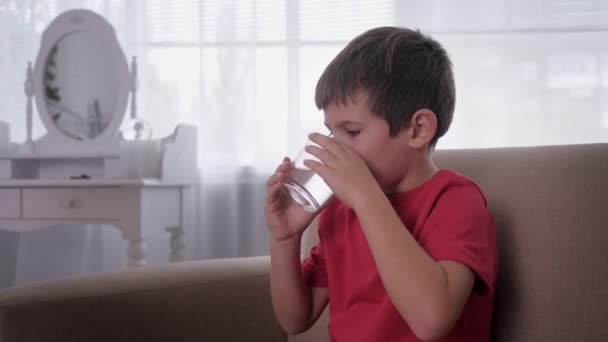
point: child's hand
(285, 219)
(341, 167)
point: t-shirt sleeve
(314, 268)
(460, 228)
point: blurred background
(531, 72)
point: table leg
(136, 252)
(177, 244)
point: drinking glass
(304, 186)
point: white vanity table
(86, 169)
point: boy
(406, 252)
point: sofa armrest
(211, 300)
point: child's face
(353, 124)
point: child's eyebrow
(342, 123)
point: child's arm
(296, 305)
(430, 295)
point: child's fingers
(275, 200)
(276, 181)
(285, 160)
(276, 178)
(285, 166)
(275, 205)
(274, 190)
(316, 167)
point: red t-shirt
(448, 216)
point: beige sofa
(550, 206)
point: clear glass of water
(304, 186)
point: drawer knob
(73, 203)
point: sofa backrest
(550, 207)
(549, 204)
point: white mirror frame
(72, 21)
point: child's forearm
(291, 296)
(415, 282)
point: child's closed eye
(352, 132)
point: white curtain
(528, 73)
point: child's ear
(422, 129)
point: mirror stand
(137, 128)
(134, 84)
(29, 93)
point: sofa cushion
(210, 300)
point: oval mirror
(81, 78)
(79, 86)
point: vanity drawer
(10, 203)
(73, 203)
